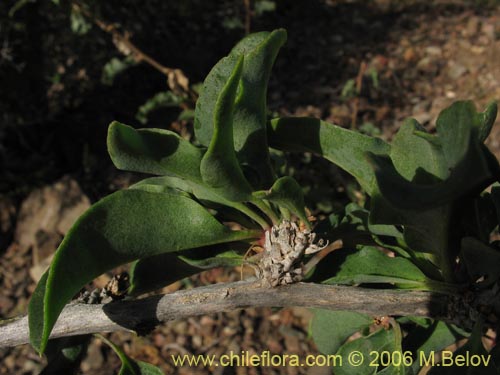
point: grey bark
(144, 314)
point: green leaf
(342, 147)
(250, 136)
(425, 341)
(125, 226)
(219, 167)
(152, 273)
(202, 192)
(408, 194)
(154, 151)
(250, 139)
(215, 256)
(79, 24)
(114, 67)
(130, 366)
(486, 121)
(155, 272)
(262, 6)
(287, 193)
(472, 173)
(370, 265)
(330, 329)
(456, 364)
(162, 99)
(378, 341)
(480, 261)
(65, 354)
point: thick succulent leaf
(155, 272)
(480, 260)
(250, 136)
(416, 157)
(131, 366)
(207, 195)
(330, 329)
(287, 193)
(205, 105)
(223, 256)
(65, 354)
(370, 265)
(474, 346)
(422, 341)
(479, 217)
(125, 226)
(435, 172)
(427, 215)
(378, 341)
(486, 120)
(259, 50)
(473, 172)
(154, 151)
(342, 147)
(219, 167)
(455, 128)
(152, 273)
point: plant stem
(261, 205)
(77, 319)
(251, 214)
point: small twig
(359, 86)
(248, 16)
(323, 253)
(176, 79)
(144, 314)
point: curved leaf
(423, 341)
(471, 173)
(429, 175)
(122, 227)
(202, 192)
(157, 271)
(219, 167)
(250, 136)
(474, 346)
(342, 147)
(486, 121)
(330, 329)
(480, 260)
(154, 151)
(130, 366)
(378, 341)
(250, 139)
(370, 265)
(65, 354)
(286, 192)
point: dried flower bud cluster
(285, 245)
(115, 289)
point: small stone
(456, 70)
(409, 55)
(433, 51)
(427, 65)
